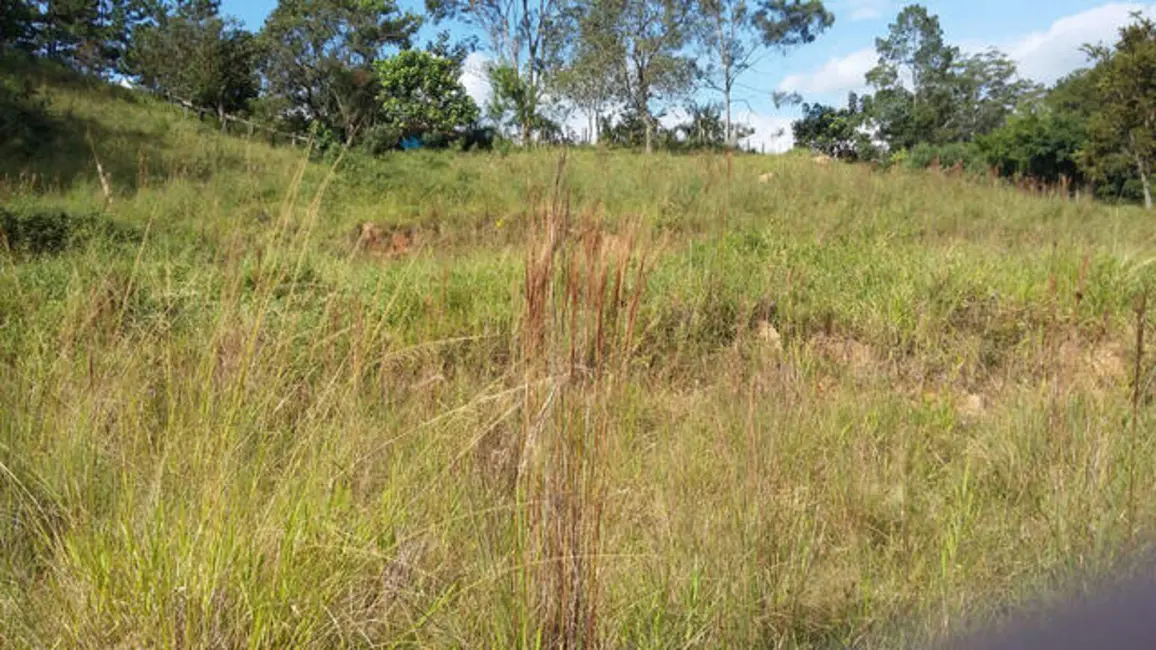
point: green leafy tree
(527, 37)
(1123, 129)
(513, 107)
(736, 34)
(193, 53)
(1045, 135)
(928, 93)
(1042, 144)
(644, 42)
(455, 51)
(89, 35)
(1075, 94)
(320, 55)
(912, 80)
(587, 81)
(987, 90)
(421, 95)
(631, 129)
(1075, 99)
(835, 132)
(708, 128)
(510, 105)
(17, 18)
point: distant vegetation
(352, 73)
(933, 105)
(345, 72)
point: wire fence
(241, 125)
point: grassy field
(547, 399)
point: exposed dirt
(1104, 364)
(845, 351)
(1074, 363)
(383, 240)
(769, 336)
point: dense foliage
(421, 94)
(194, 54)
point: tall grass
(576, 412)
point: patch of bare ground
(847, 352)
(381, 240)
(1095, 364)
(1073, 363)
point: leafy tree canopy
(421, 93)
(321, 53)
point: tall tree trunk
(730, 129)
(727, 82)
(1147, 189)
(649, 134)
(1142, 168)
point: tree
(708, 129)
(735, 34)
(644, 44)
(454, 51)
(90, 35)
(195, 54)
(927, 92)
(421, 94)
(587, 80)
(528, 37)
(631, 129)
(912, 80)
(16, 23)
(1075, 94)
(511, 105)
(833, 132)
(1124, 127)
(1042, 144)
(987, 90)
(321, 53)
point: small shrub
(50, 232)
(965, 154)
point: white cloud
(474, 77)
(1048, 55)
(1043, 56)
(862, 9)
(772, 133)
(674, 116)
(838, 75)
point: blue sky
(1042, 36)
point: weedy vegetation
(252, 398)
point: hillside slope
(489, 400)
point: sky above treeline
(1043, 37)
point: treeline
(353, 71)
(933, 105)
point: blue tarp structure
(411, 142)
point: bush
(1037, 145)
(965, 154)
(53, 232)
(24, 124)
